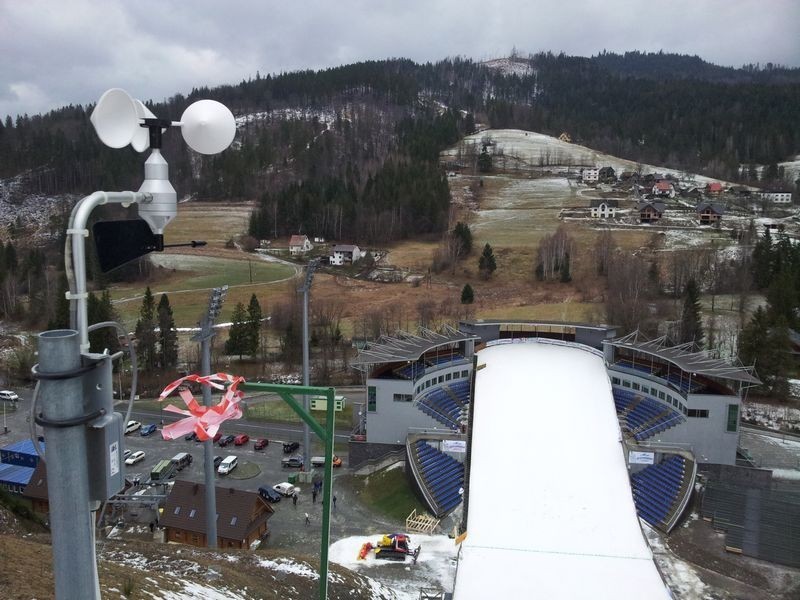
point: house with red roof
(299, 244)
(663, 188)
(714, 188)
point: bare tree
(553, 252)
(604, 246)
(630, 292)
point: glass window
(626, 383)
(465, 373)
(177, 510)
(402, 397)
(447, 377)
(635, 385)
(615, 380)
(441, 378)
(192, 513)
(733, 417)
(372, 399)
(456, 375)
(645, 389)
(662, 395)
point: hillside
(144, 570)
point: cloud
(69, 51)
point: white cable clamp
(83, 232)
(70, 296)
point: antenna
(208, 127)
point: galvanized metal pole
(71, 524)
(208, 446)
(327, 493)
(306, 404)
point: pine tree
(145, 332)
(467, 294)
(487, 264)
(253, 326)
(691, 322)
(782, 297)
(762, 260)
(237, 337)
(463, 234)
(484, 161)
(167, 336)
(566, 277)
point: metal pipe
(306, 406)
(208, 445)
(78, 232)
(74, 564)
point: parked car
(182, 460)
(284, 489)
(215, 439)
(134, 458)
(268, 494)
(261, 443)
(241, 439)
(190, 436)
(319, 461)
(228, 464)
(292, 462)
(225, 440)
(127, 453)
(217, 460)
(289, 447)
(148, 429)
(132, 426)
(9, 396)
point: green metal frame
(288, 394)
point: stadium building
(675, 407)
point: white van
(227, 465)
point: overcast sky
(58, 52)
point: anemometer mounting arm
(75, 258)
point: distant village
(654, 196)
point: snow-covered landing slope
(550, 508)
(532, 149)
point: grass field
(388, 492)
(188, 279)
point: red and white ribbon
(203, 420)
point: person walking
(334, 502)
(314, 496)
(307, 519)
(294, 499)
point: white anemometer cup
(208, 127)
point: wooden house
(651, 211)
(242, 516)
(709, 213)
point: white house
(590, 175)
(603, 209)
(776, 197)
(345, 253)
(663, 188)
(299, 244)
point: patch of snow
(286, 565)
(435, 565)
(793, 474)
(510, 66)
